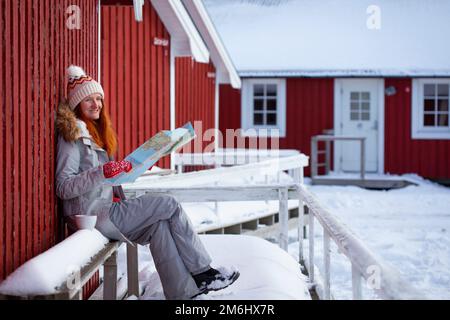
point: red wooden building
(157, 73)
(375, 71)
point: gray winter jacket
(79, 174)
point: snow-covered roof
(335, 37)
(219, 56)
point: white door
(359, 107)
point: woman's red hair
(101, 130)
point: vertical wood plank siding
(36, 49)
(195, 94)
(135, 75)
(428, 158)
(309, 110)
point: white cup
(85, 222)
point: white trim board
(219, 55)
(184, 35)
(338, 85)
(172, 100)
(418, 131)
(250, 130)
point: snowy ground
(409, 228)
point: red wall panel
(229, 107)
(195, 95)
(36, 49)
(428, 158)
(135, 75)
(309, 109)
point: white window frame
(419, 131)
(247, 109)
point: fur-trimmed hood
(68, 125)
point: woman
(86, 144)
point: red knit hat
(80, 85)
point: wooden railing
(328, 139)
(388, 284)
(292, 161)
(383, 279)
(229, 157)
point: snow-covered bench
(61, 271)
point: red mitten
(113, 168)
(126, 165)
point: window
(359, 106)
(264, 107)
(430, 114)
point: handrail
(327, 139)
(383, 279)
(265, 167)
(230, 157)
(281, 192)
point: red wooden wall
(428, 158)
(309, 110)
(135, 75)
(229, 108)
(195, 94)
(36, 49)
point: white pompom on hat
(80, 85)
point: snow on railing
(383, 279)
(229, 157)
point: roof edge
(345, 73)
(186, 39)
(202, 20)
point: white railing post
(298, 178)
(216, 203)
(326, 262)
(314, 157)
(356, 283)
(327, 156)
(284, 217)
(311, 245)
(266, 181)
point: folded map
(158, 146)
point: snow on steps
(267, 272)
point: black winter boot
(214, 280)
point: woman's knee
(166, 205)
(171, 202)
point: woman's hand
(113, 168)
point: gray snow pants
(176, 249)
